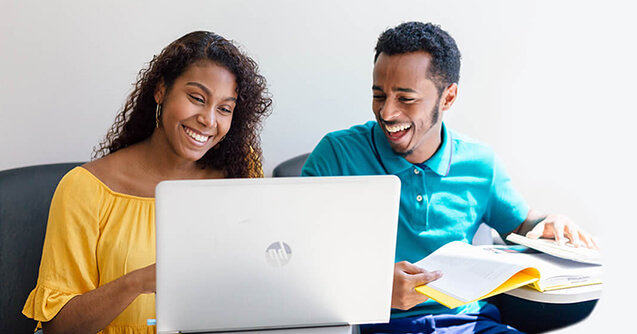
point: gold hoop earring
(157, 115)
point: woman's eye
(196, 98)
(226, 110)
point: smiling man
(450, 183)
(407, 104)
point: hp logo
(278, 254)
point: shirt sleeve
(507, 209)
(323, 161)
(69, 263)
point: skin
(202, 101)
(409, 108)
(403, 95)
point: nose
(207, 118)
(389, 110)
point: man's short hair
(417, 36)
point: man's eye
(406, 99)
(379, 97)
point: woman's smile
(197, 137)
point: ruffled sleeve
(69, 263)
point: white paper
(469, 272)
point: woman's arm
(94, 310)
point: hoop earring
(157, 115)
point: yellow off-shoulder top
(94, 235)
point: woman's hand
(92, 311)
(144, 279)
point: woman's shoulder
(118, 173)
(101, 168)
(77, 188)
(78, 178)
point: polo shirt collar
(440, 162)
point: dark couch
(25, 197)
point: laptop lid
(246, 254)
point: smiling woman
(136, 122)
(195, 113)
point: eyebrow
(406, 90)
(206, 90)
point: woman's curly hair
(239, 154)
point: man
(450, 183)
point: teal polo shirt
(443, 199)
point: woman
(195, 113)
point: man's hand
(562, 229)
(406, 278)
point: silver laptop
(275, 253)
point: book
(472, 273)
(565, 251)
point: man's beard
(435, 115)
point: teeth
(196, 136)
(396, 128)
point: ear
(160, 91)
(448, 97)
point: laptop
(275, 253)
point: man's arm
(562, 228)
(324, 161)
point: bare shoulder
(102, 168)
(117, 171)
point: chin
(193, 157)
(403, 153)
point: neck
(430, 145)
(159, 159)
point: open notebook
(472, 273)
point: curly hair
(418, 36)
(239, 155)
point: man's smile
(396, 132)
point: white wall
(545, 82)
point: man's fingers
(426, 277)
(407, 277)
(409, 268)
(589, 241)
(573, 235)
(559, 234)
(536, 232)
